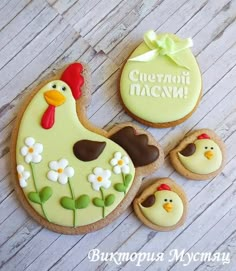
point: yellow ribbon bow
(163, 45)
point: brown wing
(88, 150)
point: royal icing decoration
(100, 178)
(161, 81)
(58, 157)
(203, 156)
(164, 208)
(120, 163)
(32, 151)
(23, 175)
(60, 171)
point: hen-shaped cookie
(69, 175)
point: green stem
(103, 198)
(73, 197)
(33, 177)
(44, 212)
(123, 177)
(36, 189)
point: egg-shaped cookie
(161, 82)
(162, 206)
(199, 156)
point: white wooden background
(39, 36)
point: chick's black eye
(212, 148)
(54, 86)
(165, 200)
(206, 148)
(171, 200)
(63, 88)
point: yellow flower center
(31, 150)
(60, 170)
(120, 162)
(99, 178)
(19, 176)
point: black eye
(206, 148)
(165, 199)
(63, 88)
(212, 148)
(171, 200)
(54, 86)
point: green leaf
(119, 187)
(68, 203)
(127, 180)
(82, 202)
(98, 202)
(109, 200)
(34, 197)
(45, 194)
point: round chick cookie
(71, 176)
(161, 83)
(162, 206)
(199, 156)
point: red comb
(72, 76)
(163, 187)
(203, 136)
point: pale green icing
(58, 143)
(158, 215)
(198, 163)
(160, 100)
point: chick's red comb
(163, 187)
(74, 79)
(203, 136)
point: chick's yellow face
(56, 93)
(206, 158)
(167, 209)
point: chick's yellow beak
(54, 97)
(168, 207)
(209, 155)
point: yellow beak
(209, 155)
(168, 207)
(54, 97)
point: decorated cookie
(161, 83)
(199, 156)
(162, 206)
(69, 175)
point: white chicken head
(203, 156)
(164, 207)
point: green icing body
(58, 143)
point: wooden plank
(127, 13)
(77, 10)
(9, 11)
(119, 55)
(227, 247)
(21, 41)
(20, 22)
(223, 230)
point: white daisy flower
(60, 171)
(31, 151)
(100, 178)
(120, 163)
(23, 175)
